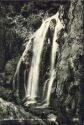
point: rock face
(8, 111)
(14, 114)
(69, 66)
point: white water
(16, 75)
(55, 46)
(32, 88)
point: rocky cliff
(70, 62)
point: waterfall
(55, 46)
(27, 80)
(32, 88)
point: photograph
(41, 62)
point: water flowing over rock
(35, 73)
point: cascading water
(32, 88)
(55, 46)
(33, 59)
